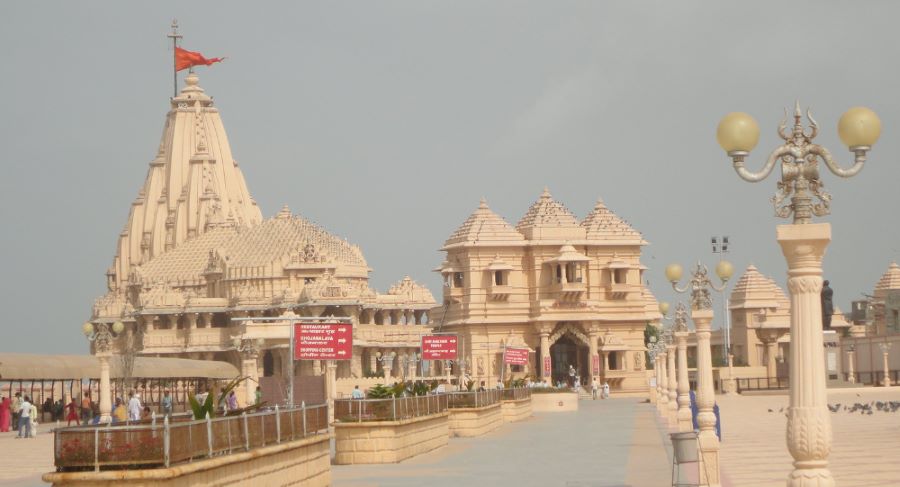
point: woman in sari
(4, 415)
(72, 413)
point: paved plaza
(606, 443)
(619, 442)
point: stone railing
(163, 443)
(390, 409)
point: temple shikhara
(197, 261)
(570, 291)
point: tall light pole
(702, 314)
(803, 244)
(720, 246)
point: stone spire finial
(284, 213)
(482, 205)
(545, 195)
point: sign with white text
(516, 356)
(323, 341)
(439, 347)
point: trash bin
(684, 450)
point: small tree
(650, 331)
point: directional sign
(439, 347)
(516, 356)
(323, 341)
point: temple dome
(193, 186)
(603, 224)
(754, 290)
(889, 280)
(484, 226)
(549, 219)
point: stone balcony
(569, 291)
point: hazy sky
(387, 121)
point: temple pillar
(851, 366)
(356, 363)
(594, 358)
(672, 414)
(105, 392)
(250, 369)
(546, 372)
(684, 416)
(709, 442)
(317, 367)
(330, 387)
(771, 360)
(809, 422)
(662, 404)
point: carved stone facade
(566, 289)
(196, 260)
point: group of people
(19, 413)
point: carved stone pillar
(105, 390)
(885, 352)
(330, 387)
(730, 385)
(545, 355)
(594, 359)
(672, 412)
(250, 368)
(317, 367)
(373, 361)
(662, 404)
(652, 390)
(709, 442)
(809, 423)
(356, 363)
(685, 419)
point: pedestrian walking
(72, 412)
(595, 389)
(231, 401)
(24, 419)
(134, 407)
(87, 408)
(33, 414)
(167, 404)
(605, 390)
(14, 407)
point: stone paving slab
(611, 443)
(23, 461)
(864, 449)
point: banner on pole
(595, 364)
(439, 347)
(547, 369)
(323, 341)
(516, 356)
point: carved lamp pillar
(702, 314)
(803, 245)
(651, 351)
(330, 387)
(594, 359)
(249, 351)
(662, 404)
(546, 371)
(672, 413)
(851, 365)
(730, 385)
(681, 332)
(885, 352)
(102, 337)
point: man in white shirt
(441, 388)
(25, 418)
(134, 407)
(357, 394)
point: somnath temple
(196, 262)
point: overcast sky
(387, 121)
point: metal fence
(874, 378)
(390, 409)
(475, 399)
(163, 443)
(516, 393)
(761, 383)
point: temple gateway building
(196, 261)
(569, 291)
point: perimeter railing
(516, 393)
(474, 399)
(389, 409)
(761, 383)
(165, 443)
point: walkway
(612, 443)
(24, 461)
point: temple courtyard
(619, 442)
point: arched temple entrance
(568, 351)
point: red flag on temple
(185, 59)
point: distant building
(571, 292)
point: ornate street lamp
(102, 337)
(885, 352)
(803, 245)
(702, 314)
(681, 332)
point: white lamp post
(885, 352)
(803, 244)
(702, 314)
(102, 338)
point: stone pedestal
(672, 373)
(886, 382)
(249, 368)
(105, 390)
(330, 387)
(730, 385)
(706, 419)
(851, 367)
(808, 421)
(685, 422)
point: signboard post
(323, 341)
(439, 347)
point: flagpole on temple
(174, 36)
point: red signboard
(323, 341)
(439, 347)
(547, 368)
(516, 356)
